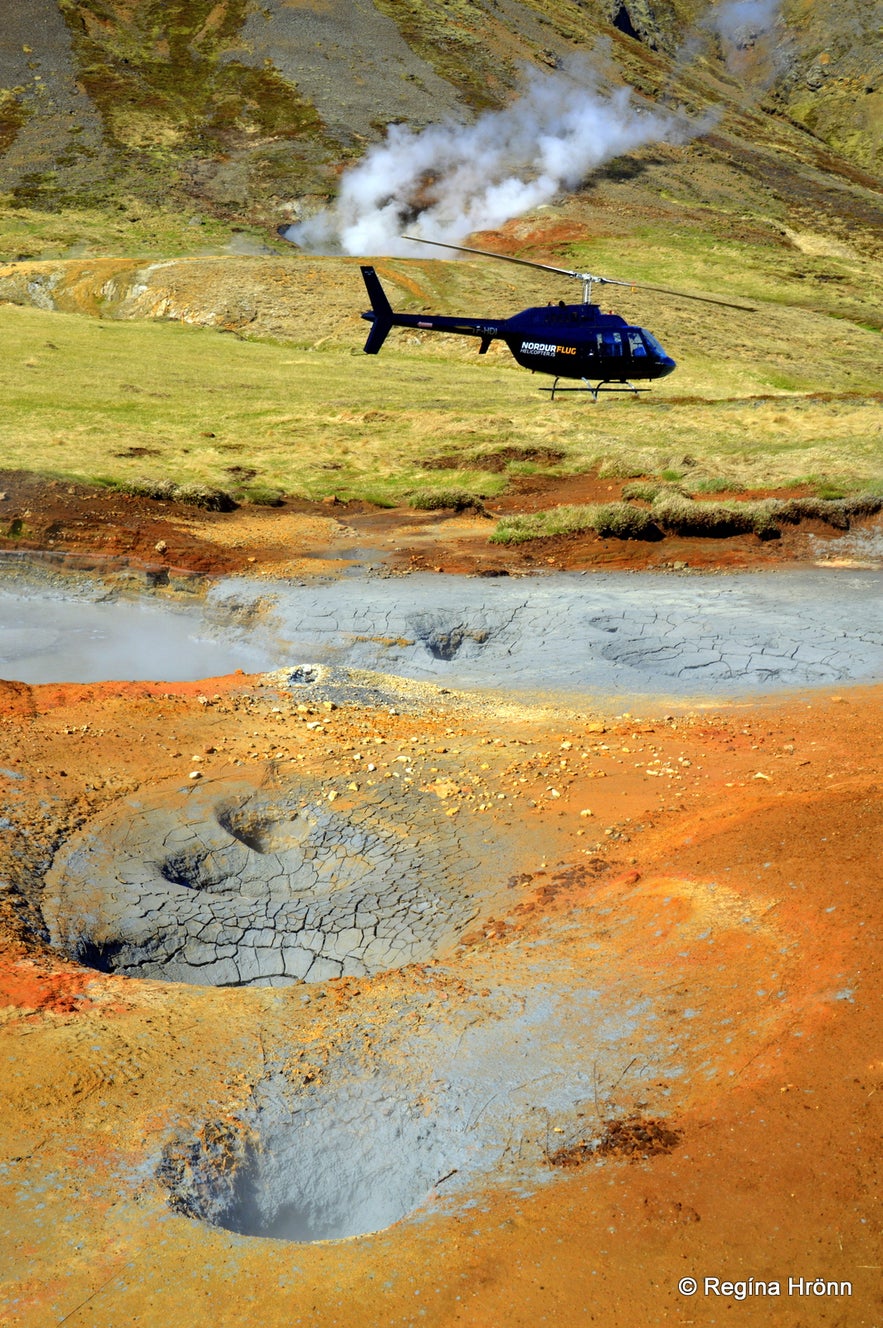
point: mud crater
(323, 1169)
(236, 885)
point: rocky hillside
(244, 111)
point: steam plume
(746, 31)
(739, 22)
(450, 179)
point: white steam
(450, 179)
(752, 48)
(741, 22)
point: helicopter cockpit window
(636, 343)
(609, 343)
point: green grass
(145, 402)
(617, 520)
(167, 491)
(675, 513)
(436, 500)
(134, 227)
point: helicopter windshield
(654, 345)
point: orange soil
(776, 1172)
(92, 525)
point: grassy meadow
(784, 395)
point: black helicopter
(567, 340)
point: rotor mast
(588, 279)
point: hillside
(163, 127)
(157, 149)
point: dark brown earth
(95, 523)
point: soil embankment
(303, 539)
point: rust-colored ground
(300, 537)
(775, 1170)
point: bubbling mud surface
(47, 636)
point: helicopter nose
(665, 366)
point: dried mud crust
(167, 541)
(231, 884)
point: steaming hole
(446, 645)
(334, 1169)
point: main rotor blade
(584, 276)
(682, 295)
(504, 258)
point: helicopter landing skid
(626, 386)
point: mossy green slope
(158, 105)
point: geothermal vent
(344, 1163)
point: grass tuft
(674, 512)
(617, 520)
(197, 495)
(836, 512)
(457, 500)
(621, 468)
(684, 516)
(647, 491)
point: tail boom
(383, 318)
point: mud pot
(604, 634)
(491, 951)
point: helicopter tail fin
(381, 312)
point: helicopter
(568, 341)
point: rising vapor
(741, 21)
(450, 179)
(750, 41)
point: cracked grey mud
(233, 884)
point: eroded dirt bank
(176, 541)
(707, 877)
